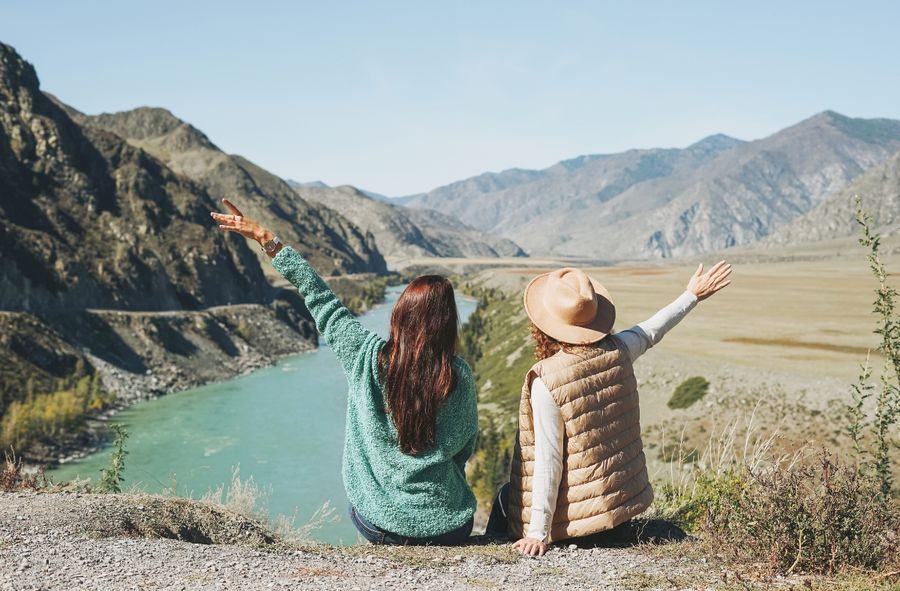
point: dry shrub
(822, 517)
(14, 478)
(245, 497)
(248, 499)
(801, 512)
(287, 529)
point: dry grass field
(806, 315)
(783, 343)
(808, 318)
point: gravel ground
(82, 541)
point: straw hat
(570, 306)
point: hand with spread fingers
(239, 223)
(530, 547)
(706, 284)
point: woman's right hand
(531, 547)
(704, 285)
(240, 224)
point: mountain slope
(664, 203)
(87, 220)
(403, 233)
(331, 243)
(879, 189)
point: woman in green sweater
(412, 418)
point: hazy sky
(401, 97)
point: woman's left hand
(530, 547)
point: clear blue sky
(400, 97)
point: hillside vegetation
(497, 344)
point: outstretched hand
(237, 222)
(241, 224)
(706, 284)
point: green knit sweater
(417, 496)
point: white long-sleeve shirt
(548, 422)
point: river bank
(142, 356)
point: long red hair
(416, 364)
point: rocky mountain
(86, 220)
(330, 241)
(111, 267)
(717, 193)
(879, 189)
(401, 233)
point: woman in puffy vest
(578, 469)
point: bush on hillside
(688, 392)
(822, 517)
(50, 417)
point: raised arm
(644, 335)
(342, 331)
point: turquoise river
(282, 425)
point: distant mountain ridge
(401, 233)
(323, 185)
(660, 203)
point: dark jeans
(630, 533)
(376, 535)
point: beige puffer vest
(604, 481)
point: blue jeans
(376, 535)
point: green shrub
(45, 417)
(111, 478)
(886, 414)
(708, 494)
(688, 392)
(50, 417)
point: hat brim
(598, 328)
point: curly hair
(546, 346)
